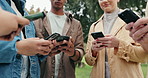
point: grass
(84, 72)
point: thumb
(22, 20)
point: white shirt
(109, 19)
(57, 24)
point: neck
(57, 12)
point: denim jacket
(10, 61)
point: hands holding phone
(102, 42)
(33, 46)
(66, 46)
(61, 44)
(139, 32)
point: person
(62, 65)
(10, 29)
(20, 57)
(116, 55)
(139, 33)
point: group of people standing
(117, 55)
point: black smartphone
(53, 36)
(128, 16)
(61, 38)
(96, 35)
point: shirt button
(18, 56)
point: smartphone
(128, 16)
(96, 35)
(35, 16)
(61, 38)
(53, 36)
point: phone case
(52, 36)
(128, 16)
(96, 35)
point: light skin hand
(139, 33)
(96, 47)
(9, 25)
(109, 41)
(33, 46)
(138, 30)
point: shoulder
(96, 22)
(71, 18)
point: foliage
(88, 11)
(32, 11)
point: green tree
(88, 11)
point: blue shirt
(10, 61)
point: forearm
(8, 50)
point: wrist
(94, 54)
(76, 56)
(73, 54)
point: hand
(33, 46)
(96, 47)
(139, 29)
(68, 48)
(109, 41)
(9, 25)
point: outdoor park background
(87, 12)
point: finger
(22, 21)
(132, 32)
(140, 33)
(129, 26)
(43, 53)
(18, 31)
(141, 21)
(44, 42)
(103, 39)
(12, 36)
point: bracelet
(79, 56)
(73, 54)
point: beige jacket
(124, 62)
(71, 28)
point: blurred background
(87, 11)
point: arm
(79, 48)
(8, 50)
(129, 49)
(90, 60)
(139, 33)
(74, 48)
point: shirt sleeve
(8, 50)
(90, 60)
